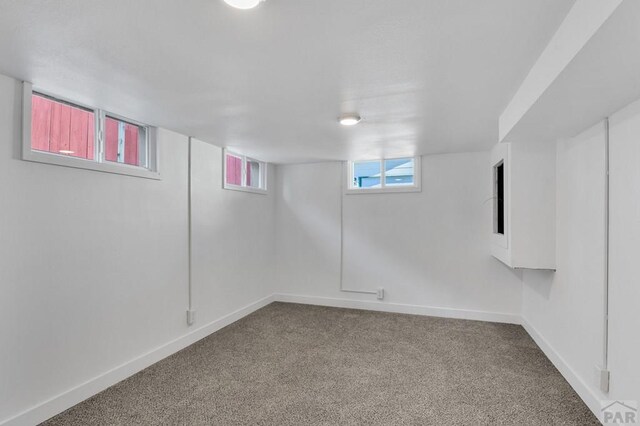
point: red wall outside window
(234, 170)
(121, 142)
(61, 129)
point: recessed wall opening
(498, 198)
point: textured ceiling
(427, 76)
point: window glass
(399, 172)
(234, 170)
(63, 133)
(62, 128)
(384, 175)
(253, 174)
(244, 174)
(366, 174)
(125, 142)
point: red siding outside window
(62, 129)
(234, 170)
(121, 142)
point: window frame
(99, 163)
(263, 189)
(384, 189)
(499, 210)
(148, 151)
(501, 155)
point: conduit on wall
(604, 382)
(342, 194)
(190, 311)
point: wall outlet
(380, 293)
(602, 378)
(191, 317)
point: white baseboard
(68, 399)
(400, 308)
(577, 383)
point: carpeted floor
(292, 364)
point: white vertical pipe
(189, 236)
(342, 180)
(605, 353)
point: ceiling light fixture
(349, 119)
(66, 152)
(243, 4)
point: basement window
(60, 132)
(125, 142)
(386, 175)
(242, 173)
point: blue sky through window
(399, 172)
(367, 174)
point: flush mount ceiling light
(349, 119)
(243, 4)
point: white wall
(94, 266)
(428, 249)
(567, 307)
(533, 208)
(233, 238)
(624, 289)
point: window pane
(399, 172)
(366, 174)
(234, 170)
(253, 174)
(125, 142)
(61, 128)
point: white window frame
(417, 178)
(496, 204)
(243, 187)
(98, 163)
(501, 155)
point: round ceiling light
(349, 119)
(243, 4)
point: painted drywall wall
(567, 307)
(429, 248)
(532, 203)
(233, 238)
(94, 267)
(624, 240)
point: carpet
(290, 364)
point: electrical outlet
(380, 293)
(603, 378)
(191, 317)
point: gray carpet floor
(290, 364)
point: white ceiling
(427, 76)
